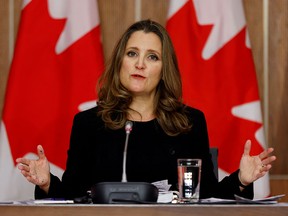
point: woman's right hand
(36, 171)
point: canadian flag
(57, 60)
(214, 55)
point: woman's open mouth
(137, 76)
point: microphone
(124, 192)
(128, 129)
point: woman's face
(141, 68)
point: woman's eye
(131, 54)
(153, 57)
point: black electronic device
(124, 192)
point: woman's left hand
(254, 167)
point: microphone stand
(124, 192)
(128, 129)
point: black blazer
(96, 155)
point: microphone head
(128, 126)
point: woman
(142, 84)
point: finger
(260, 174)
(266, 168)
(247, 148)
(23, 161)
(40, 151)
(24, 168)
(25, 174)
(265, 153)
(268, 160)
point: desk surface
(141, 210)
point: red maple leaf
(44, 88)
(216, 85)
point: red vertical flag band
(57, 60)
(219, 78)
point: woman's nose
(140, 64)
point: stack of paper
(268, 200)
(165, 195)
